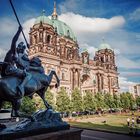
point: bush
(28, 105)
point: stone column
(44, 36)
(102, 82)
(99, 82)
(109, 84)
(37, 37)
(73, 78)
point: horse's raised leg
(41, 93)
(2, 126)
(15, 108)
(50, 78)
(1, 103)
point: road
(97, 135)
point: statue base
(46, 121)
(71, 134)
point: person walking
(128, 122)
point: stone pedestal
(72, 134)
(45, 122)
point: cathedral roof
(43, 19)
(104, 45)
(62, 28)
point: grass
(108, 122)
(104, 127)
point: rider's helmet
(35, 61)
(21, 48)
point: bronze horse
(37, 84)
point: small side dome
(104, 46)
(43, 19)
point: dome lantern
(54, 14)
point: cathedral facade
(55, 44)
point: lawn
(107, 122)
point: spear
(18, 22)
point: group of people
(133, 124)
(16, 63)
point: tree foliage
(50, 98)
(89, 102)
(99, 98)
(131, 100)
(6, 105)
(109, 101)
(116, 99)
(63, 101)
(138, 101)
(76, 100)
(28, 105)
(125, 102)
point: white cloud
(2, 54)
(7, 26)
(124, 62)
(81, 24)
(91, 49)
(68, 5)
(135, 16)
(130, 74)
(26, 28)
(125, 84)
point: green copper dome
(104, 45)
(63, 29)
(43, 19)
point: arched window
(63, 76)
(102, 59)
(48, 39)
(68, 33)
(55, 29)
(35, 39)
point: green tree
(28, 106)
(116, 99)
(50, 98)
(63, 101)
(99, 98)
(109, 101)
(125, 102)
(76, 100)
(7, 105)
(89, 102)
(131, 100)
(138, 101)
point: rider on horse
(24, 63)
(10, 64)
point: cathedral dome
(104, 45)
(43, 19)
(60, 27)
(63, 29)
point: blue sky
(118, 21)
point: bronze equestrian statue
(21, 76)
(10, 67)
